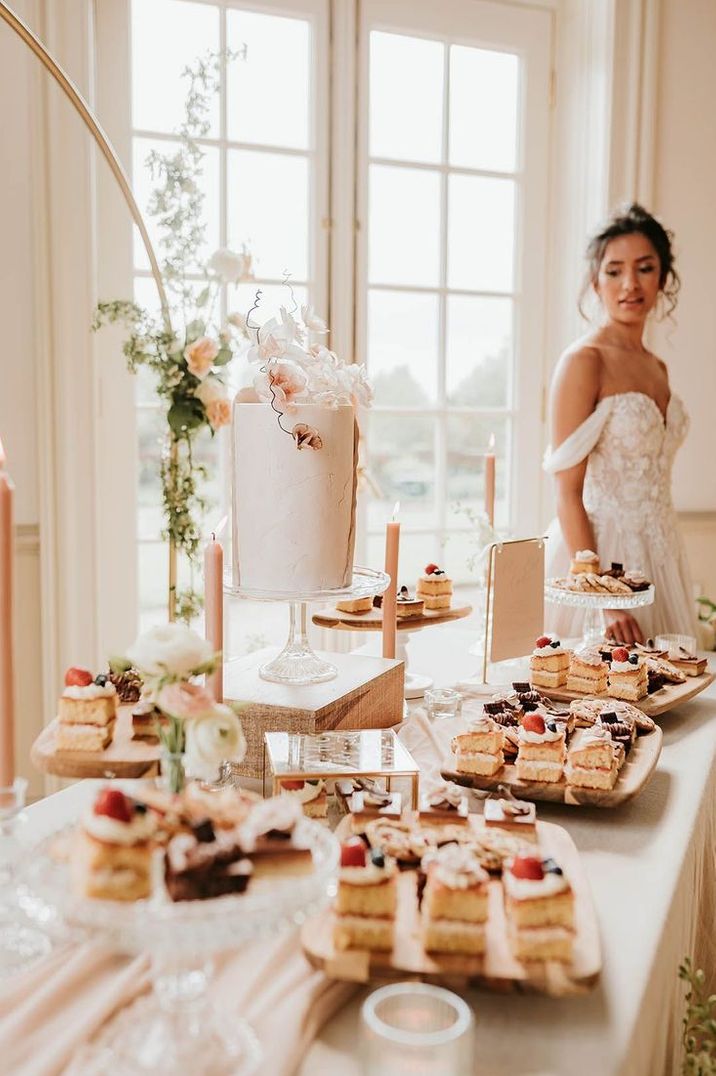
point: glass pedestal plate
(594, 606)
(298, 663)
(176, 1030)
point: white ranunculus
(169, 651)
(230, 266)
(211, 740)
(210, 390)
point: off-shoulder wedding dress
(627, 495)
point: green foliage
(699, 1024)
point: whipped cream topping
(585, 555)
(281, 813)
(484, 723)
(346, 786)
(635, 576)
(589, 657)
(455, 867)
(438, 575)
(626, 666)
(545, 651)
(112, 831)
(528, 736)
(307, 794)
(532, 888)
(595, 734)
(371, 874)
(91, 691)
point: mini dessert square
(515, 816)
(686, 662)
(454, 902)
(369, 801)
(542, 750)
(271, 838)
(406, 605)
(549, 663)
(87, 700)
(587, 672)
(480, 749)
(311, 795)
(146, 720)
(666, 670)
(204, 864)
(355, 605)
(584, 561)
(628, 678)
(366, 898)
(592, 759)
(112, 851)
(636, 580)
(443, 805)
(403, 840)
(539, 907)
(434, 587)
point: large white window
(430, 239)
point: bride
(616, 427)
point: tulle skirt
(673, 610)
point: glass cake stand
(594, 606)
(298, 663)
(175, 1030)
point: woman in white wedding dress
(616, 427)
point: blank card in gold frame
(515, 598)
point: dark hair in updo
(631, 219)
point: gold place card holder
(514, 606)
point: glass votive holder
(673, 642)
(418, 1029)
(443, 702)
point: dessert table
(652, 870)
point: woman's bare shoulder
(579, 368)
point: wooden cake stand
(415, 684)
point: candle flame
(216, 532)
(396, 509)
(2, 457)
(491, 442)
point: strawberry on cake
(549, 663)
(628, 677)
(87, 711)
(366, 899)
(539, 907)
(434, 587)
(112, 851)
(541, 749)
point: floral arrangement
(203, 731)
(293, 371)
(189, 353)
(699, 1024)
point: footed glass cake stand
(176, 1030)
(594, 605)
(298, 663)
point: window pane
(467, 439)
(275, 226)
(483, 109)
(403, 347)
(158, 90)
(404, 226)
(151, 434)
(481, 233)
(143, 185)
(479, 351)
(406, 92)
(416, 550)
(401, 460)
(261, 107)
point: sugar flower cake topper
(294, 371)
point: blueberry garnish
(555, 644)
(140, 808)
(633, 659)
(377, 858)
(550, 866)
(101, 680)
(551, 725)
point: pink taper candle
(7, 697)
(392, 549)
(214, 610)
(490, 481)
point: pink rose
(186, 701)
(218, 413)
(200, 356)
(288, 382)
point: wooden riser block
(366, 694)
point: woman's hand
(622, 627)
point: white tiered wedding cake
(295, 441)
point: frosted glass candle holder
(417, 1028)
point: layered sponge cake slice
(549, 663)
(539, 907)
(540, 756)
(480, 750)
(455, 901)
(628, 676)
(587, 672)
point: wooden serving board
(634, 774)
(666, 698)
(497, 969)
(373, 619)
(124, 757)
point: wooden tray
(124, 757)
(634, 774)
(373, 619)
(497, 969)
(666, 698)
